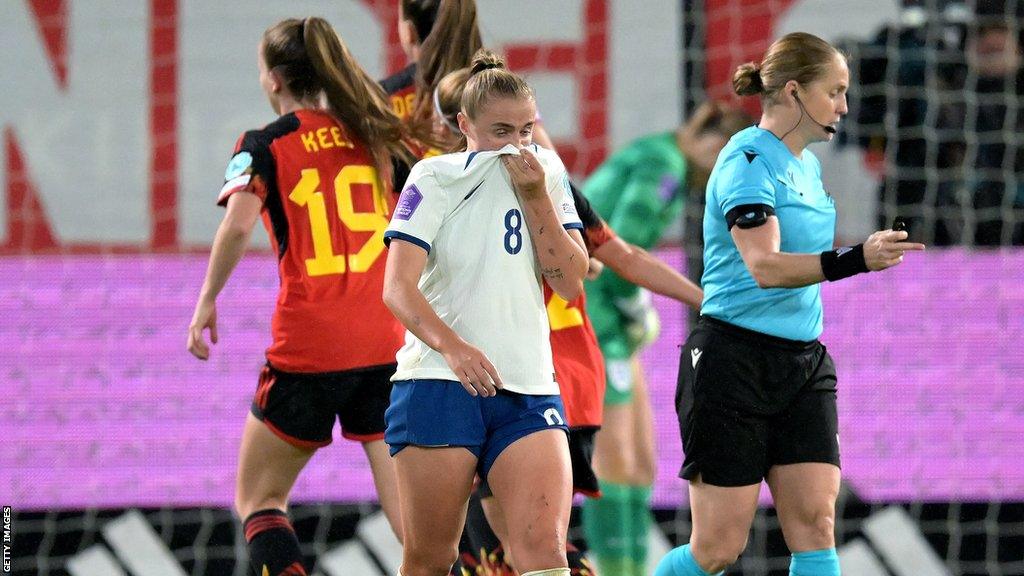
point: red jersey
(401, 90)
(326, 216)
(579, 364)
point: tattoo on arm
(552, 273)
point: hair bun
(485, 60)
(747, 79)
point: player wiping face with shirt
(473, 235)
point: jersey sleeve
(595, 230)
(249, 169)
(560, 189)
(421, 209)
(747, 180)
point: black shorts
(581, 455)
(748, 401)
(301, 408)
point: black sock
(273, 547)
(578, 563)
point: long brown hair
(449, 44)
(312, 59)
(797, 56)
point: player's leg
(804, 478)
(612, 462)
(434, 486)
(495, 522)
(499, 561)
(385, 481)
(645, 465)
(482, 527)
(584, 481)
(527, 466)
(492, 530)
(434, 431)
(644, 471)
(607, 520)
(287, 423)
(362, 398)
(267, 469)
(531, 479)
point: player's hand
(204, 317)
(595, 269)
(885, 249)
(527, 174)
(476, 373)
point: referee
(757, 391)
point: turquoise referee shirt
(755, 167)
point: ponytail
(453, 40)
(312, 59)
(354, 97)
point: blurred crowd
(938, 105)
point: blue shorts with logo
(440, 413)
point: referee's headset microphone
(803, 111)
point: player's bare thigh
(267, 469)
(433, 486)
(532, 481)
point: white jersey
(481, 276)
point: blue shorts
(440, 413)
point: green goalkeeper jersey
(639, 192)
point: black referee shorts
(748, 401)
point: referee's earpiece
(825, 127)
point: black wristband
(843, 262)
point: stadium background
(119, 449)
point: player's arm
(561, 253)
(402, 296)
(636, 265)
(628, 261)
(243, 209)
